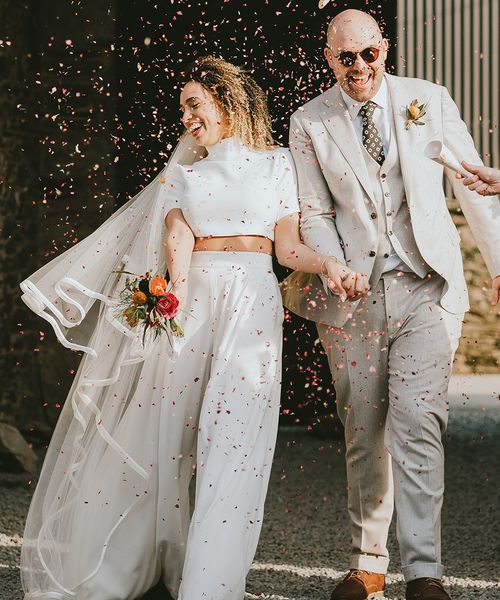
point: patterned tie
(371, 136)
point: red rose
(167, 305)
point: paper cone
(439, 153)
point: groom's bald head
(353, 23)
(349, 33)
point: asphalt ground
(304, 545)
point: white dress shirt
(382, 115)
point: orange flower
(139, 298)
(414, 113)
(157, 286)
(130, 315)
(414, 110)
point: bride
(111, 514)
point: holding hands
(348, 284)
(292, 253)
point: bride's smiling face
(201, 115)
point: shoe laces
(355, 574)
(433, 583)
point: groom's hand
(355, 285)
(495, 291)
(345, 282)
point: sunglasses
(369, 55)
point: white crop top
(234, 190)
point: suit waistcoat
(395, 233)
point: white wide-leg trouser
(216, 404)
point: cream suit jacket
(336, 198)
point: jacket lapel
(337, 121)
(410, 142)
(404, 138)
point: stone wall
(57, 174)
(479, 350)
(19, 208)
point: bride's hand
(180, 291)
(356, 285)
(345, 282)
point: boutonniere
(414, 113)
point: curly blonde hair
(238, 96)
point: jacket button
(371, 253)
(383, 176)
(386, 255)
(373, 215)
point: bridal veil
(76, 293)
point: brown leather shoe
(360, 585)
(426, 588)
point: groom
(370, 197)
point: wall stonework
(479, 350)
(18, 217)
(57, 174)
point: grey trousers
(391, 365)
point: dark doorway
(281, 43)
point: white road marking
(15, 541)
(271, 597)
(8, 541)
(327, 573)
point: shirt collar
(381, 99)
(228, 149)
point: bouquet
(146, 302)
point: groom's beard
(362, 84)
